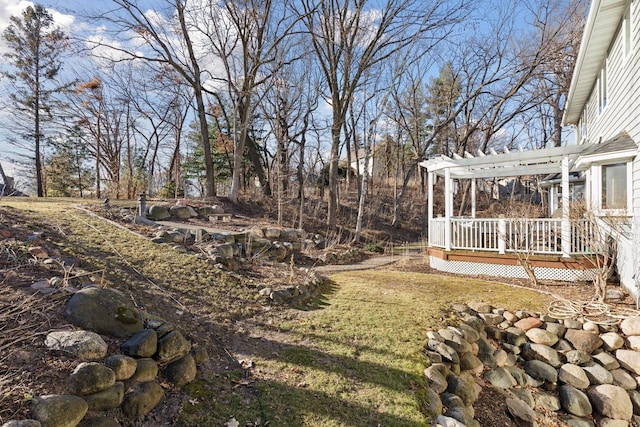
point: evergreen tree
(67, 171)
(35, 47)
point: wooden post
(566, 222)
(448, 208)
(430, 179)
(502, 235)
(473, 198)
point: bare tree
(167, 36)
(352, 36)
(245, 36)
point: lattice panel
(513, 271)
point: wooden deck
(544, 261)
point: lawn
(355, 359)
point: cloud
(9, 8)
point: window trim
(598, 194)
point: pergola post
(448, 208)
(473, 198)
(566, 222)
(430, 179)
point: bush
(374, 247)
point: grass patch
(355, 360)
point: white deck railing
(535, 235)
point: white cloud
(9, 8)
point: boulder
(480, 307)
(611, 401)
(500, 378)
(182, 371)
(542, 336)
(142, 400)
(522, 414)
(629, 359)
(528, 323)
(58, 410)
(146, 370)
(555, 328)
(623, 379)
(110, 398)
(547, 401)
(158, 212)
(142, 344)
(437, 380)
(466, 390)
(181, 212)
(606, 360)
(577, 357)
(597, 374)
(541, 371)
(611, 341)
(630, 326)
(633, 343)
(573, 375)
(172, 346)
(82, 345)
(90, 377)
(123, 366)
(469, 362)
(104, 311)
(583, 340)
(574, 401)
(541, 352)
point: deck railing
(535, 235)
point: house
(602, 168)
(603, 105)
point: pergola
(501, 164)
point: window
(602, 88)
(614, 186)
(626, 28)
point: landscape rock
(597, 374)
(573, 375)
(541, 370)
(123, 366)
(630, 326)
(574, 401)
(58, 410)
(180, 212)
(22, 423)
(84, 345)
(548, 401)
(158, 212)
(528, 323)
(500, 378)
(146, 370)
(541, 352)
(542, 336)
(606, 360)
(182, 371)
(90, 377)
(629, 359)
(444, 421)
(110, 398)
(623, 379)
(611, 401)
(104, 311)
(611, 341)
(172, 346)
(577, 357)
(583, 340)
(142, 344)
(522, 414)
(437, 380)
(143, 400)
(525, 395)
(555, 328)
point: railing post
(448, 207)
(566, 222)
(430, 225)
(502, 235)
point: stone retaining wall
(588, 374)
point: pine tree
(35, 47)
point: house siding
(619, 115)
